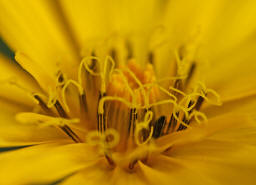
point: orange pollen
(118, 85)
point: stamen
(52, 98)
(105, 142)
(199, 102)
(66, 128)
(199, 116)
(126, 84)
(101, 116)
(144, 125)
(187, 121)
(161, 89)
(140, 85)
(42, 104)
(71, 134)
(63, 92)
(132, 121)
(60, 109)
(172, 123)
(84, 64)
(112, 98)
(158, 127)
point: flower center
(122, 110)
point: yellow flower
(128, 92)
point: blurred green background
(5, 49)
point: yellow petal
(13, 133)
(98, 18)
(98, 23)
(232, 23)
(99, 173)
(16, 84)
(33, 28)
(163, 170)
(245, 104)
(96, 173)
(217, 124)
(44, 164)
(231, 73)
(220, 161)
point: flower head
(124, 92)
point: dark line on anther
(190, 73)
(132, 120)
(71, 133)
(42, 104)
(63, 114)
(182, 127)
(151, 57)
(66, 128)
(158, 127)
(101, 118)
(173, 122)
(60, 110)
(199, 103)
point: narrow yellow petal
(16, 84)
(33, 28)
(237, 105)
(13, 133)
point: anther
(199, 103)
(158, 127)
(66, 128)
(132, 121)
(60, 110)
(71, 134)
(42, 104)
(101, 116)
(173, 122)
(182, 127)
